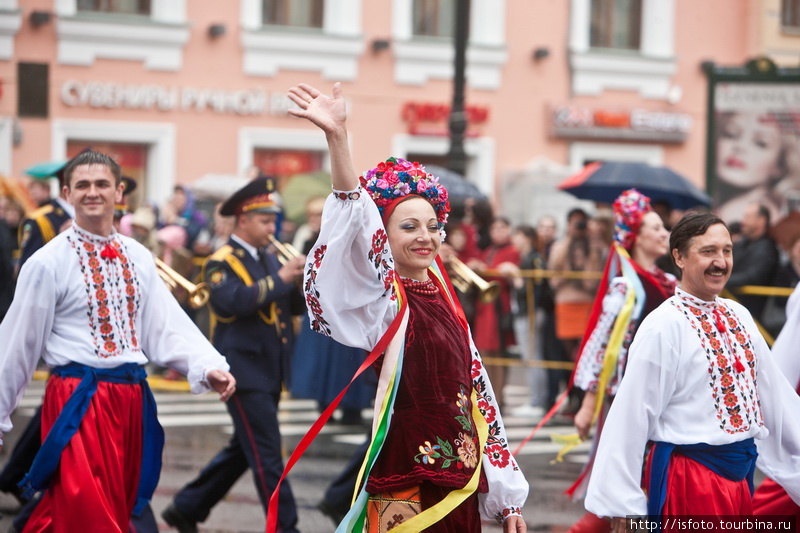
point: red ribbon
(737, 365)
(109, 252)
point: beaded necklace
(426, 288)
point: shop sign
(109, 95)
(426, 118)
(631, 125)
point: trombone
(286, 252)
(198, 293)
(464, 277)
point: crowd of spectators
(542, 319)
(538, 319)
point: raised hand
(327, 112)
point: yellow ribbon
(568, 442)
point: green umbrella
(47, 169)
(299, 189)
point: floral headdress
(629, 209)
(396, 178)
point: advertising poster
(755, 148)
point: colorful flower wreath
(396, 178)
(629, 209)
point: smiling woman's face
(414, 238)
(748, 150)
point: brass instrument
(464, 277)
(286, 252)
(198, 293)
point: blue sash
(735, 461)
(68, 421)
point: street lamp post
(456, 156)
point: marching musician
(253, 298)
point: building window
(434, 18)
(616, 24)
(296, 13)
(790, 14)
(133, 7)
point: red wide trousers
(94, 488)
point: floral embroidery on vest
(112, 291)
(734, 393)
(466, 453)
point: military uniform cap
(129, 185)
(258, 196)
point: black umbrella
(605, 181)
(458, 188)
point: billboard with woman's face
(756, 148)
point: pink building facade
(180, 89)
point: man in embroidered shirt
(702, 385)
(91, 304)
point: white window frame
(333, 51)
(10, 23)
(251, 139)
(6, 144)
(648, 70)
(579, 152)
(83, 39)
(160, 138)
(418, 60)
(481, 152)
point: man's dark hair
(576, 211)
(764, 213)
(689, 226)
(92, 158)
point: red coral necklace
(427, 288)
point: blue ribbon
(69, 420)
(735, 461)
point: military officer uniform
(252, 309)
(42, 226)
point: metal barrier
(531, 276)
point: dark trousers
(553, 350)
(340, 492)
(256, 444)
(23, 453)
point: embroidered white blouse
(73, 305)
(678, 365)
(590, 363)
(785, 347)
(351, 298)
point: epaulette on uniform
(221, 253)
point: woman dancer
(439, 460)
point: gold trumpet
(464, 277)
(286, 252)
(198, 293)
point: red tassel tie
(737, 365)
(109, 252)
